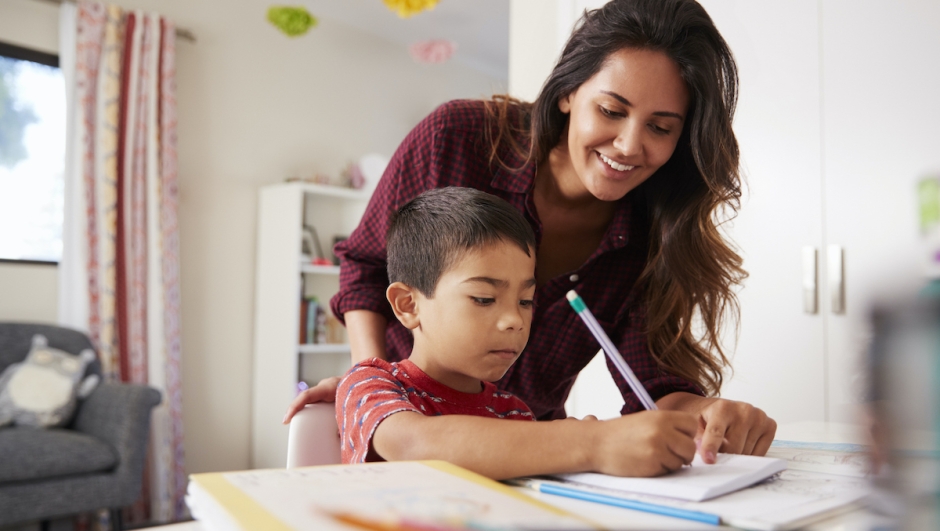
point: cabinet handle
(810, 288)
(836, 279)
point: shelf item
(319, 269)
(283, 279)
(326, 190)
(323, 348)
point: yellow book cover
(394, 495)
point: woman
(622, 165)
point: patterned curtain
(119, 275)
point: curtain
(119, 274)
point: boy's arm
(643, 444)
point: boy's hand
(324, 391)
(648, 443)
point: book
(313, 308)
(434, 494)
(695, 482)
(303, 321)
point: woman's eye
(659, 130)
(526, 303)
(483, 301)
(609, 113)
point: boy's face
(478, 321)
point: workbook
(695, 482)
(395, 495)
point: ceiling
(479, 27)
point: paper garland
(433, 51)
(293, 21)
(407, 8)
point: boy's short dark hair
(429, 233)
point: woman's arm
(366, 331)
(642, 444)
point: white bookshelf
(280, 361)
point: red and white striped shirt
(374, 389)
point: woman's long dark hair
(691, 271)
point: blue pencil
(582, 310)
(664, 510)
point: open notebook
(697, 482)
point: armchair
(94, 463)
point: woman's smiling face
(624, 123)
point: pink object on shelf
(433, 51)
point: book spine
(303, 322)
(320, 329)
(312, 309)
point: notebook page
(696, 482)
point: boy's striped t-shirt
(374, 389)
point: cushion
(36, 454)
(16, 339)
(44, 389)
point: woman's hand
(324, 391)
(725, 426)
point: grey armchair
(94, 463)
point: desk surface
(617, 518)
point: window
(32, 155)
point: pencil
(596, 497)
(396, 524)
(608, 346)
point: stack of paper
(820, 481)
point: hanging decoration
(407, 8)
(293, 21)
(433, 51)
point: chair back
(16, 339)
(313, 437)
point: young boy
(462, 269)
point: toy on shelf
(311, 249)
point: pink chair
(313, 437)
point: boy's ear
(402, 298)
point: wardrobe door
(778, 359)
(880, 116)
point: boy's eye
(483, 301)
(526, 303)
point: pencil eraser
(575, 300)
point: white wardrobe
(838, 118)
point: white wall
(254, 107)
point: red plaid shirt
(447, 149)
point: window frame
(14, 51)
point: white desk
(617, 518)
